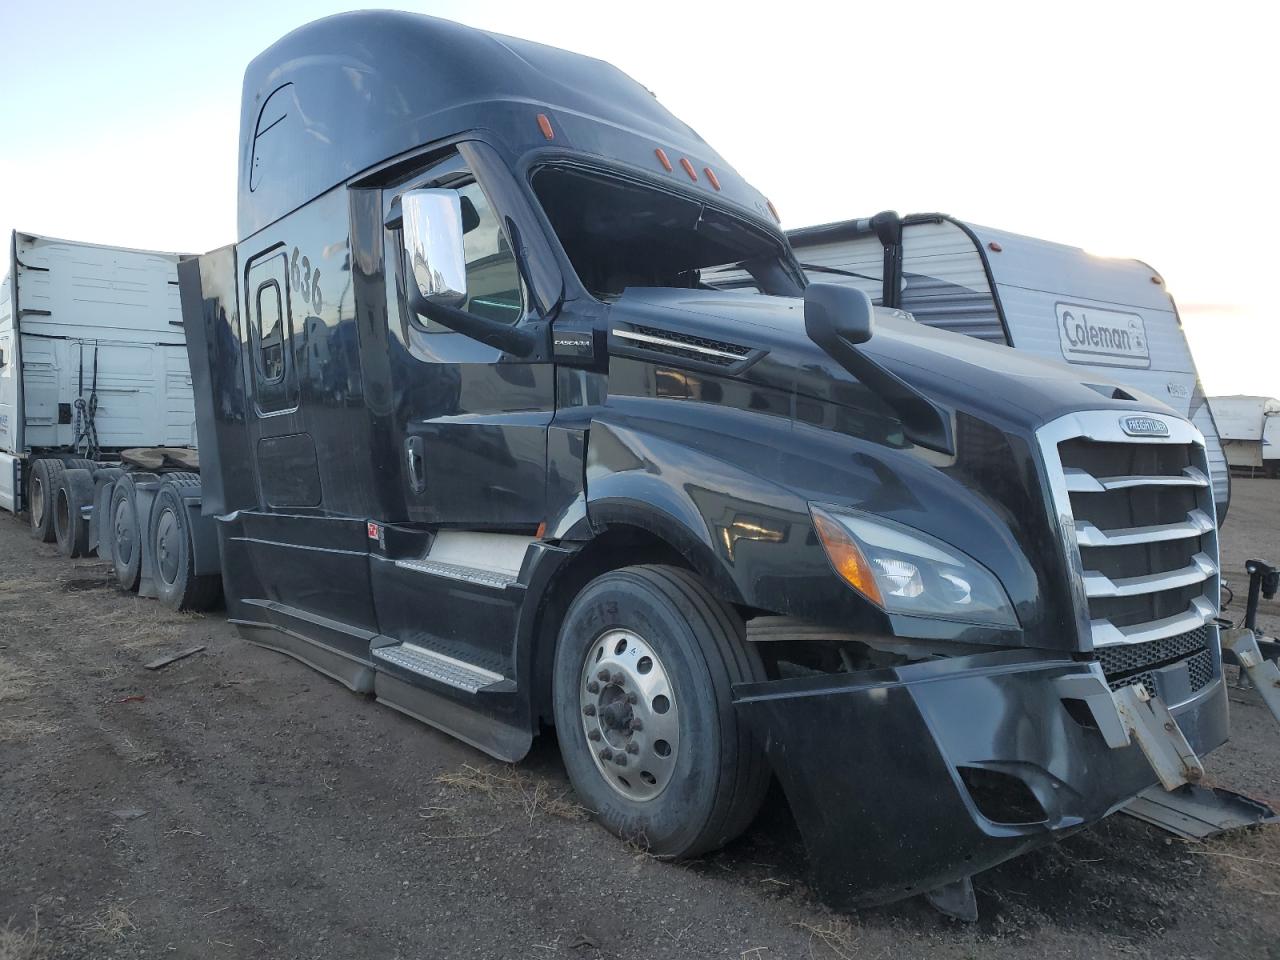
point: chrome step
(1081, 481)
(456, 571)
(1201, 569)
(1196, 524)
(438, 667)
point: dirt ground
(236, 804)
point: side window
(275, 382)
(494, 289)
(269, 314)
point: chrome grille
(1137, 521)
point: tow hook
(1147, 720)
(1132, 713)
(1263, 673)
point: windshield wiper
(844, 273)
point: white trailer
(1053, 300)
(1250, 432)
(93, 361)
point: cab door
(471, 420)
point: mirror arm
(521, 341)
(923, 422)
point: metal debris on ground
(173, 658)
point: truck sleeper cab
(481, 439)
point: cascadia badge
(1144, 427)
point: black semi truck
(481, 436)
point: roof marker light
(545, 126)
(662, 159)
(688, 168)
(712, 178)
(773, 210)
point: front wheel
(644, 667)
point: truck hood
(1001, 386)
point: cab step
(442, 669)
(496, 579)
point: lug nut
(633, 747)
(636, 723)
(606, 754)
(603, 676)
(620, 759)
(593, 687)
(632, 699)
(593, 735)
(619, 679)
(589, 710)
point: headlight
(906, 571)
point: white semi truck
(1055, 301)
(1250, 431)
(93, 363)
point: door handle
(413, 452)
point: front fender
(750, 537)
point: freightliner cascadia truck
(1106, 316)
(481, 436)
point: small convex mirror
(432, 231)
(844, 311)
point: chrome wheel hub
(629, 715)
(37, 501)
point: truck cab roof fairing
(343, 94)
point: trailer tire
(644, 670)
(126, 533)
(177, 585)
(71, 527)
(45, 474)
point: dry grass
(13, 729)
(838, 936)
(1248, 861)
(112, 924)
(22, 944)
(16, 683)
(509, 786)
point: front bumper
(870, 764)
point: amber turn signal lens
(545, 126)
(846, 557)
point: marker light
(845, 555)
(906, 571)
(545, 126)
(773, 210)
(662, 159)
(712, 178)
(688, 168)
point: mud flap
(955, 900)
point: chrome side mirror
(432, 231)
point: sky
(1129, 129)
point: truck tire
(177, 585)
(45, 475)
(70, 526)
(644, 667)
(125, 531)
(80, 463)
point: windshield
(619, 233)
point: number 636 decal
(305, 281)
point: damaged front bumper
(907, 779)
